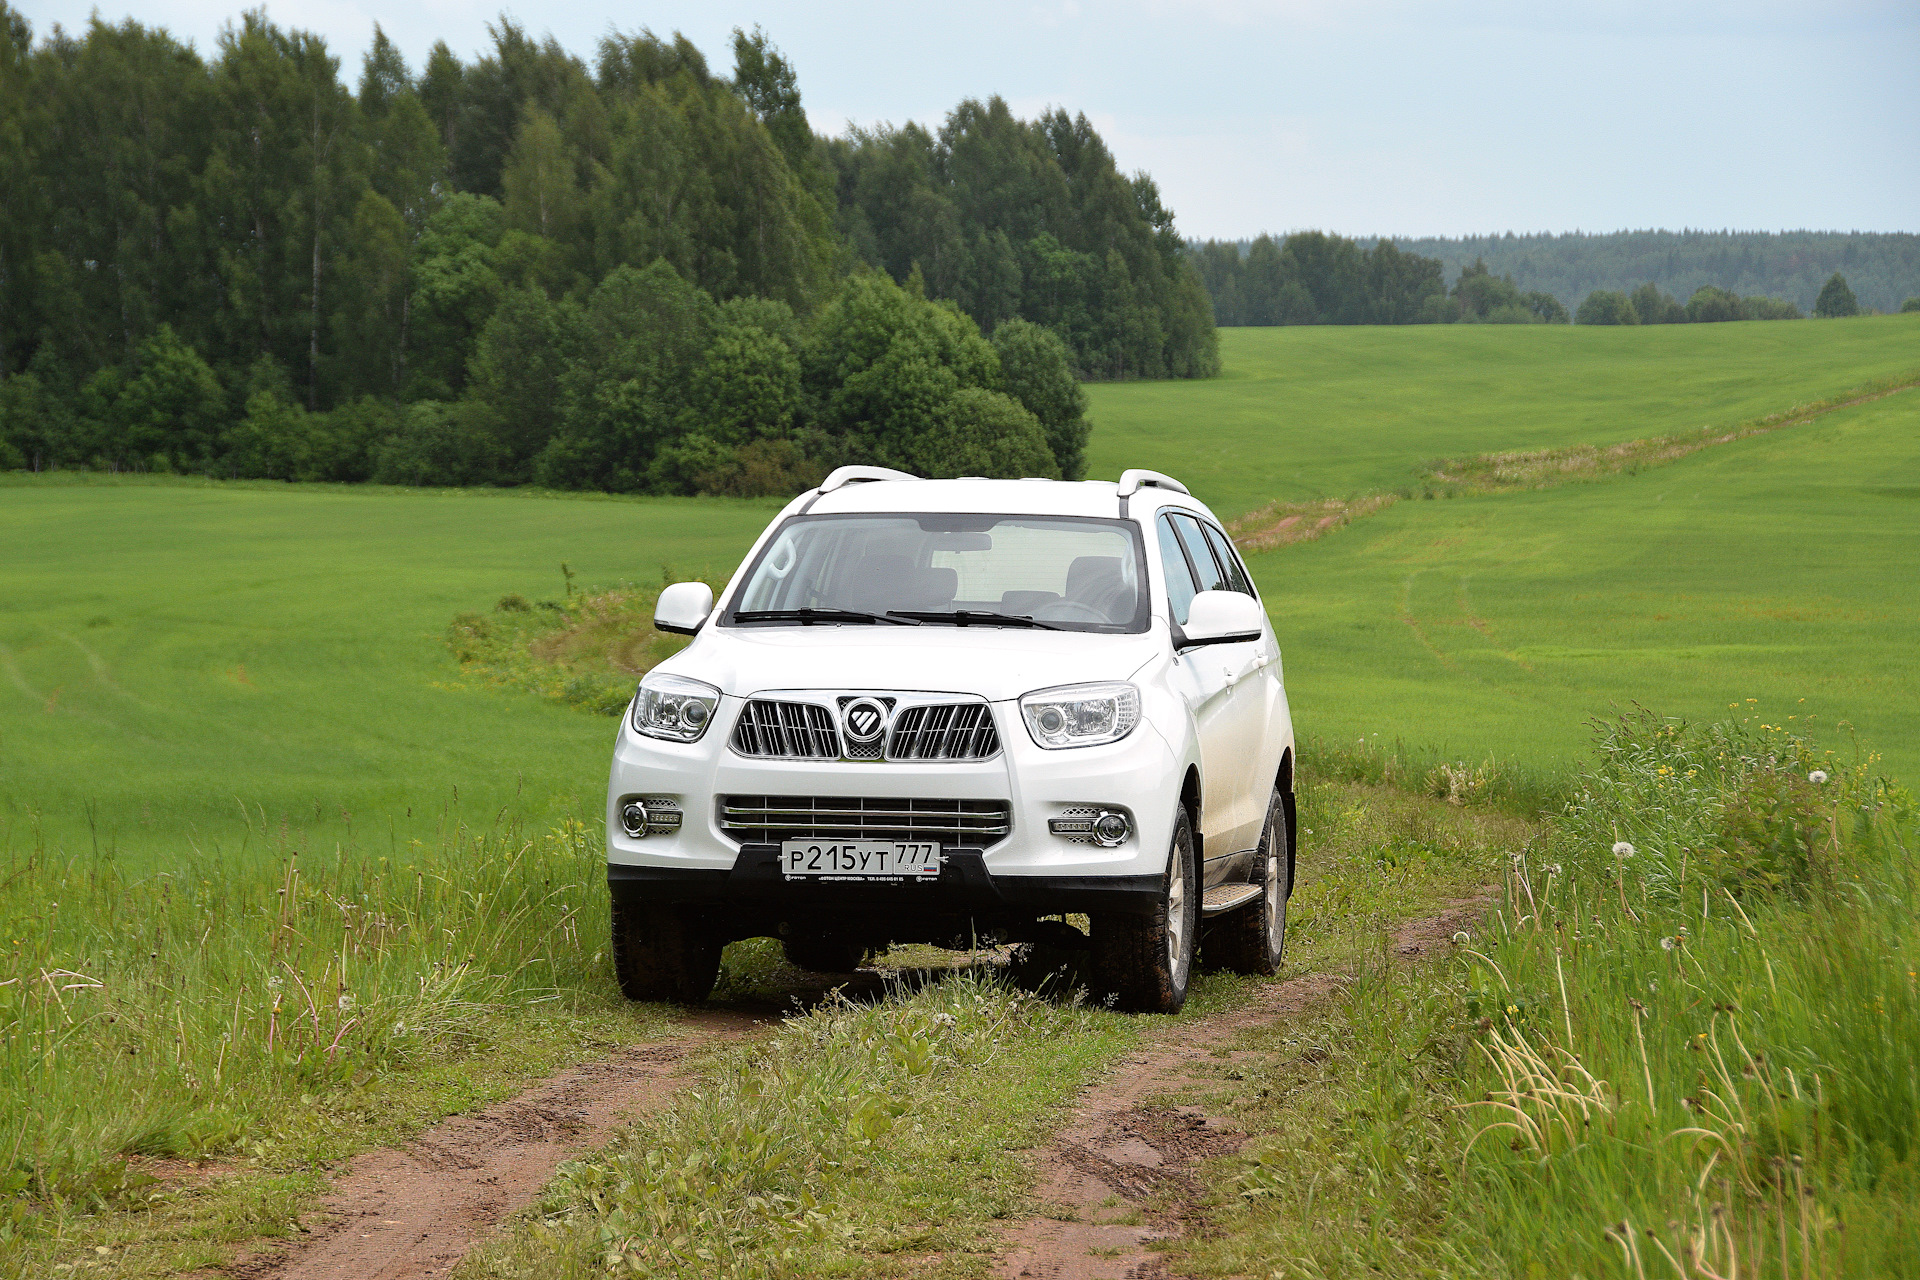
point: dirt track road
(1120, 1148)
(413, 1212)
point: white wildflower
(1818, 777)
(945, 1019)
(1621, 849)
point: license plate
(859, 859)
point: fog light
(1105, 827)
(650, 816)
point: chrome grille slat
(793, 730)
(769, 819)
(944, 731)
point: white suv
(961, 712)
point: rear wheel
(1254, 938)
(823, 953)
(661, 954)
(1146, 961)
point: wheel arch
(1190, 796)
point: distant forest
(637, 273)
(1882, 269)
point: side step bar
(1225, 897)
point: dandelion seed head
(345, 1002)
(1818, 777)
(1621, 849)
(1668, 944)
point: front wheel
(1146, 961)
(1254, 938)
(661, 954)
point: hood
(996, 663)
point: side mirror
(1221, 617)
(683, 606)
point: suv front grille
(793, 730)
(771, 819)
(946, 731)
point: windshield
(1063, 572)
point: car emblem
(865, 721)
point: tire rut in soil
(413, 1212)
(1122, 1173)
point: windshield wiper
(806, 616)
(964, 617)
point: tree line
(638, 274)
(1882, 268)
(1313, 277)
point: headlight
(673, 707)
(1081, 715)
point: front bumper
(965, 885)
(1028, 871)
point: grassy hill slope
(1775, 569)
(1327, 411)
(173, 653)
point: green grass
(1696, 1057)
(274, 1011)
(1769, 569)
(1311, 412)
(183, 665)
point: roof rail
(855, 475)
(1131, 482)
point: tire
(823, 954)
(1146, 962)
(1045, 969)
(661, 954)
(1253, 939)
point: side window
(1207, 573)
(1223, 552)
(1180, 588)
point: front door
(1207, 678)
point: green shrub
(1606, 306)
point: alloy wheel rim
(1275, 904)
(1177, 916)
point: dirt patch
(1121, 1174)
(414, 1212)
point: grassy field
(172, 654)
(1313, 412)
(1768, 570)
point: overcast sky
(1365, 117)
